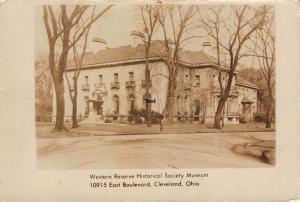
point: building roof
(246, 100)
(130, 53)
(127, 53)
(241, 81)
(197, 57)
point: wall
(205, 94)
(251, 94)
(158, 89)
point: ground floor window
(97, 104)
(116, 104)
(131, 103)
(196, 109)
(87, 106)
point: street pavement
(198, 150)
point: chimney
(207, 48)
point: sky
(115, 27)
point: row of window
(116, 77)
(197, 77)
(247, 89)
(131, 77)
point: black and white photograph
(155, 86)
(149, 100)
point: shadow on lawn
(45, 130)
(263, 150)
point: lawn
(45, 130)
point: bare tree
(265, 54)
(60, 25)
(231, 34)
(149, 24)
(176, 22)
(78, 58)
(43, 87)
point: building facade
(112, 85)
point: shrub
(259, 117)
(242, 119)
(140, 116)
(123, 119)
(107, 121)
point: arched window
(87, 106)
(186, 103)
(178, 104)
(131, 102)
(116, 104)
(98, 104)
(196, 107)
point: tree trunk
(223, 98)
(268, 116)
(169, 108)
(74, 107)
(74, 114)
(269, 108)
(60, 105)
(219, 113)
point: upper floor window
(116, 77)
(186, 78)
(131, 76)
(197, 80)
(100, 76)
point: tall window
(87, 106)
(86, 79)
(186, 77)
(116, 103)
(116, 77)
(131, 76)
(131, 103)
(197, 80)
(178, 104)
(186, 103)
(100, 78)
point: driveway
(197, 150)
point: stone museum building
(112, 85)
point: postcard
(149, 101)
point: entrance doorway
(97, 104)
